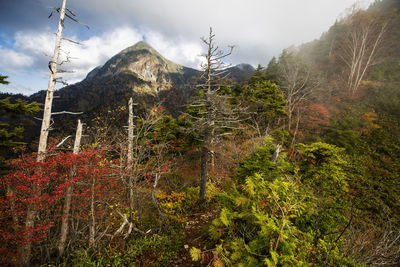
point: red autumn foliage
(41, 186)
(318, 115)
(97, 182)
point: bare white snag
(78, 137)
(130, 227)
(53, 65)
(130, 153)
(297, 82)
(360, 46)
(68, 195)
(154, 198)
(217, 114)
(274, 157)
(44, 132)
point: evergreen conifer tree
(10, 128)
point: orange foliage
(318, 115)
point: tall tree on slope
(214, 116)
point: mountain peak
(141, 45)
(142, 61)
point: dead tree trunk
(207, 129)
(154, 198)
(204, 169)
(44, 132)
(53, 65)
(68, 196)
(215, 114)
(360, 46)
(130, 153)
(275, 156)
(26, 249)
(92, 226)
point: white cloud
(10, 59)
(97, 50)
(37, 43)
(263, 26)
(82, 58)
(259, 29)
(179, 51)
(32, 50)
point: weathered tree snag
(44, 132)
(203, 171)
(53, 65)
(68, 196)
(276, 154)
(130, 153)
(154, 198)
(361, 44)
(218, 115)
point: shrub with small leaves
(268, 219)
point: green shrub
(276, 216)
(154, 250)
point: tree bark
(53, 65)
(359, 51)
(68, 196)
(212, 81)
(44, 132)
(154, 198)
(26, 249)
(130, 153)
(203, 172)
(93, 219)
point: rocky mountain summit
(140, 72)
(145, 63)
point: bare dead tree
(296, 80)
(214, 116)
(30, 216)
(53, 65)
(46, 122)
(54, 70)
(130, 154)
(360, 46)
(68, 196)
(274, 157)
(145, 162)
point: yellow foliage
(195, 253)
(172, 204)
(218, 263)
(371, 84)
(371, 118)
(211, 190)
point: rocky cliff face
(142, 61)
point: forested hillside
(298, 165)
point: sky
(259, 30)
